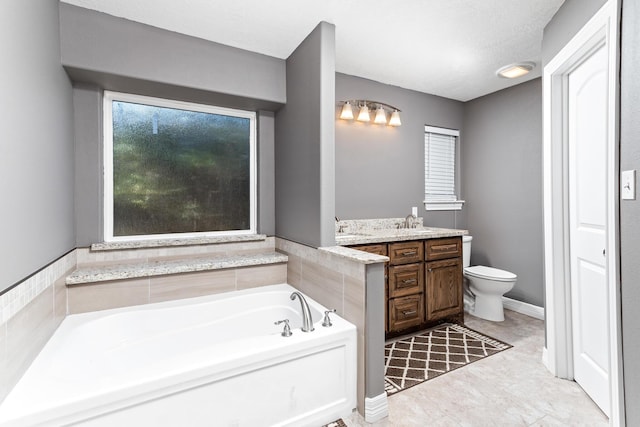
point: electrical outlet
(628, 185)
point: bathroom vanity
(423, 278)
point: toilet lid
(491, 273)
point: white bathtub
(213, 361)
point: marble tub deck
(157, 268)
(512, 388)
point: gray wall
(630, 210)
(100, 52)
(502, 178)
(305, 140)
(380, 169)
(119, 52)
(567, 21)
(36, 152)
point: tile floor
(512, 388)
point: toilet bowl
(484, 286)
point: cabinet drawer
(443, 248)
(373, 249)
(406, 252)
(406, 312)
(407, 279)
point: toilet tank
(466, 251)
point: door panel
(587, 131)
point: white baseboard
(523, 308)
(545, 358)
(376, 408)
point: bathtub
(217, 360)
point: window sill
(455, 205)
(161, 243)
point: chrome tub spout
(307, 321)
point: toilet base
(489, 308)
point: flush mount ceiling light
(382, 111)
(513, 71)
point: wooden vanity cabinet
(423, 283)
(444, 279)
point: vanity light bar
(365, 106)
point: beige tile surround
(335, 281)
(144, 290)
(29, 314)
(128, 292)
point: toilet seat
(490, 273)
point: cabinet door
(406, 280)
(444, 288)
(406, 312)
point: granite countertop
(362, 237)
(157, 268)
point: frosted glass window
(176, 169)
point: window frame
(107, 163)
(433, 204)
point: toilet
(484, 286)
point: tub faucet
(307, 321)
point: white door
(587, 132)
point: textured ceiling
(449, 48)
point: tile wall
(29, 314)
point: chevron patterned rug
(412, 360)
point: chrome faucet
(410, 221)
(307, 321)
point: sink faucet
(409, 221)
(307, 321)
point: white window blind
(440, 168)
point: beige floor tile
(511, 388)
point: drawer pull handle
(408, 253)
(409, 313)
(408, 281)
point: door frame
(601, 30)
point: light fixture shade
(395, 119)
(381, 116)
(513, 71)
(347, 112)
(363, 115)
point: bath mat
(418, 358)
(336, 423)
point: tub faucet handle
(326, 322)
(287, 329)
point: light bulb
(347, 112)
(381, 116)
(395, 119)
(363, 116)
